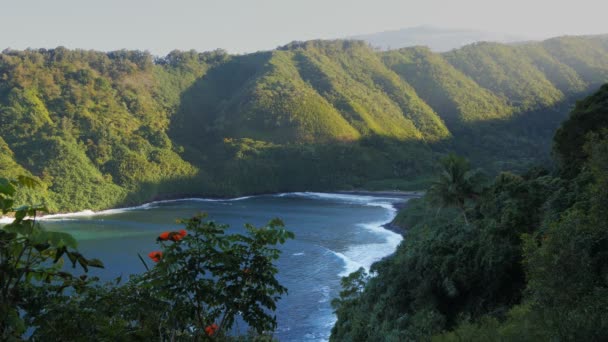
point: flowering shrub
(155, 256)
(207, 278)
(202, 281)
(212, 329)
(172, 236)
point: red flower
(176, 236)
(211, 329)
(173, 236)
(164, 236)
(246, 271)
(155, 256)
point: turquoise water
(335, 235)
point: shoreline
(392, 226)
(5, 219)
(393, 193)
(183, 196)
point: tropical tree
(208, 279)
(31, 258)
(456, 184)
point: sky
(242, 26)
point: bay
(335, 235)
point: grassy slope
(455, 97)
(122, 128)
(508, 73)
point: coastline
(185, 196)
(393, 193)
(177, 197)
(399, 201)
(392, 226)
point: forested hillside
(110, 129)
(522, 257)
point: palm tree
(456, 184)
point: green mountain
(456, 98)
(507, 72)
(109, 129)
(585, 55)
(529, 263)
(310, 92)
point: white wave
(327, 195)
(84, 213)
(145, 206)
(386, 205)
(330, 196)
(368, 254)
(325, 291)
(339, 197)
(331, 322)
(206, 199)
(350, 265)
(367, 200)
(298, 254)
(6, 220)
(365, 255)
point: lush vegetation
(107, 129)
(519, 258)
(202, 282)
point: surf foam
(145, 206)
(365, 255)
(338, 197)
(350, 265)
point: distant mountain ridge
(107, 129)
(437, 39)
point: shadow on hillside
(234, 166)
(197, 118)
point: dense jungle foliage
(101, 130)
(198, 286)
(522, 257)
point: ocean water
(335, 235)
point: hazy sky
(251, 25)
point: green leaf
(23, 208)
(25, 227)
(95, 263)
(58, 253)
(6, 204)
(73, 257)
(42, 246)
(84, 263)
(6, 236)
(20, 215)
(6, 187)
(55, 239)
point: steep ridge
(106, 129)
(586, 55)
(508, 73)
(86, 123)
(562, 76)
(527, 266)
(383, 96)
(456, 98)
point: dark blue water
(335, 235)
